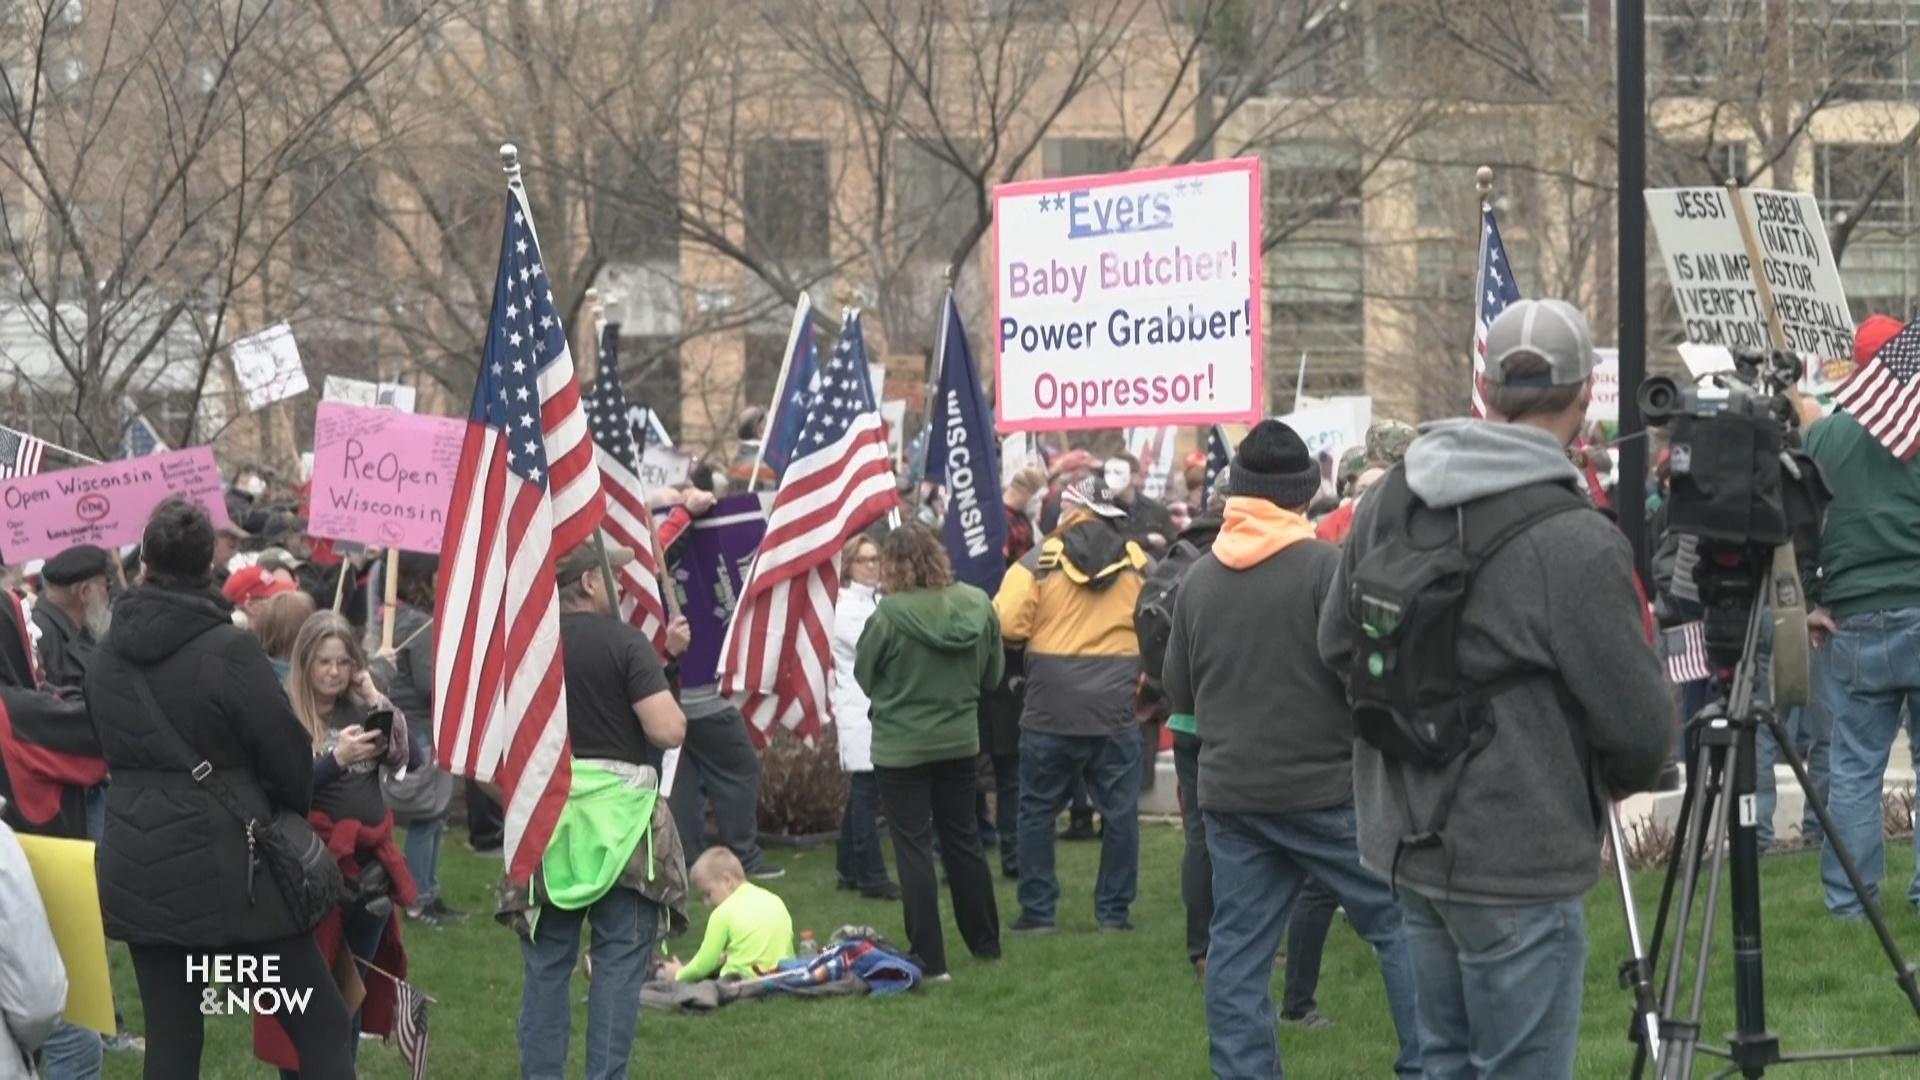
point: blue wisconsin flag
(962, 456)
(796, 391)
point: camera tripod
(1717, 827)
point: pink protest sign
(1129, 300)
(106, 504)
(383, 477)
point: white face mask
(1118, 475)
(253, 486)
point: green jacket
(924, 659)
(1869, 550)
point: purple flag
(713, 563)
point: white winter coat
(850, 704)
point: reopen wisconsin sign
(1129, 299)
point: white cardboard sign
(1154, 446)
(664, 466)
(267, 366)
(369, 394)
(1713, 286)
(1605, 405)
(1131, 299)
(1333, 426)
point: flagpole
(800, 310)
(938, 368)
(1300, 384)
(1483, 185)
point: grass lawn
(1081, 1003)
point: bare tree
(148, 157)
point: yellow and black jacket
(1070, 603)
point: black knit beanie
(1273, 463)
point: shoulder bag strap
(192, 760)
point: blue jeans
(1049, 764)
(71, 1053)
(624, 926)
(1261, 863)
(1499, 986)
(1813, 740)
(858, 862)
(424, 836)
(1865, 675)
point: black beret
(79, 563)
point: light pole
(1631, 74)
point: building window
(635, 194)
(334, 222)
(764, 352)
(1084, 157)
(1882, 276)
(1330, 58)
(650, 367)
(788, 201)
(1312, 182)
(1316, 306)
(1844, 172)
(926, 186)
(1024, 9)
(1864, 49)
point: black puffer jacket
(173, 864)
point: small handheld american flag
(778, 652)
(526, 490)
(1494, 289)
(618, 454)
(410, 1027)
(20, 453)
(1884, 395)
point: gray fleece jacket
(1558, 599)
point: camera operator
(1867, 629)
(1492, 852)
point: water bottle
(808, 947)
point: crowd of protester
(215, 679)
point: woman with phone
(354, 730)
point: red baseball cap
(250, 583)
(1874, 332)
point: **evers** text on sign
(1713, 280)
(106, 504)
(383, 477)
(1129, 299)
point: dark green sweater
(924, 659)
(1870, 548)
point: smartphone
(380, 720)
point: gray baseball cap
(1553, 331)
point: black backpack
(1153, 611)
(1403, 605)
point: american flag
(1686, 648)
(20, 453)
(525, 491)
(410, 1027)
(1884, 395)
(626, 524)
(1494, 290)
(138, 438)
(1219, 456)
(778, 651)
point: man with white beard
(73, 612)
